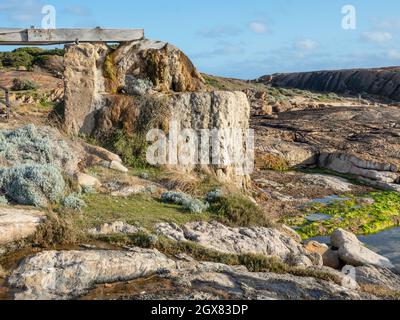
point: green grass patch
(139, 210)
(352, 215)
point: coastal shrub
(271, 161)
(74, 202)
(27, 145)
(3, 201)
(214, 195)
(36, 185)
(238, 211)
(23, 85)
(186, 201)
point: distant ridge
(383, 82)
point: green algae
(351, 213)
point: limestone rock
(117, 166)
(257, 240)
(102, 153)
(69, 274)
(85, 180)
(84, 85)
(114, 228)
(330, 182)
(370, 275)
(171, 231)
(238, 283)
(354, 253)
(168, 68)
(330, 257)
(17, 224)
(348, 164)
(219, 110)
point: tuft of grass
(58, 229)
(352, 215)
(238, 211)
(272, 162)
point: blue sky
(237, 38)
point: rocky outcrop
(84, 85)
(354, 253)
(69, 274)
(17, 224)
(382, 277)
(384, 82)
(160, 85)
(358, 140)
(257, 240)
(146, 65)
(237, 283)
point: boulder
(258, 240)
(85, 180)
(328, 182)
(53, 275)
(167, 68)
(381, 277)
(330, 257)
(354, 253)
(17, 224)
(238, 283)
(117, 166)
(114, 228)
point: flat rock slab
(265, 241)
(57, 275)
(17, 224)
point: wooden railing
(6, 101)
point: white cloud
(26, 11)
(258, 27)
(377, 36)
(219, 32)
(394, 54)
(306, 45)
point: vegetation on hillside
(27, 57)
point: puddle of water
(330, 199)
(385, 243)
(314, 217)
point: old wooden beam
(61, 36)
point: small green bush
(23, 85)
(186, 201)
(238, 211)
(28, 145)
(74, 202)
(37, 185)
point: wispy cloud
(220, 32)
(258, 27)
(77, 10)
(306, 45)
(394, 54)
(21, 11)
(224, 49)
(377, 36)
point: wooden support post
(8, 104)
